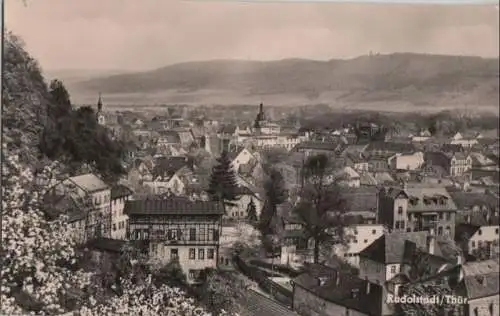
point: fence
(280, 293)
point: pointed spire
(99, 103)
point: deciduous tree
(321, 206)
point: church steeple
(99, 103)
(261, 117)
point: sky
(147, 34)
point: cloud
(130, 34)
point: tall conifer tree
(223, 186)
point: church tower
(261, 117)
(100, 115)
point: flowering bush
(34, 251)
(145, 299)
(37, 257)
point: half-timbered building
(177, 228)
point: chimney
(431, 242)
(468, 218)
(459, 259)
(488, 217)
(367, 285)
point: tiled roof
(342, 289)
(89, 182)
(427, 199)
(467, 200)
(481, 279)
(392, 147)
(394, 247)
(172, 206)
(255, 304)
(119, 191)
(360, 199)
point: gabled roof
(120, 191)
(464, 230)
(396, 247)
(89, 183)
(338, 288)
(467, 200)
(172, 206)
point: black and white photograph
(250, 158)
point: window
(490, 308)
(174, 253)
(192, 234)
(479, 232)
(201, 254)
(201, 235)
(374, 231)
(448, 216)
(480, 243)
(400, 210)
(496, 231)
(397, 224)
(114, 227)
(441, 215)
(393, 269)
(192, 253)
(402, 224)
(366, 241)
(473, 244)
(210, 234)
(210, 253)
(355, 241)
(440, 230)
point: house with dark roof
(392, 148)
(417, 208)
(246, 199)
(168, 174)
(177, 228)
(330, 292)
(393, 253)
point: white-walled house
(240, 156)
(96, 196)
(358, 237)
(119, 221)
(475, 238)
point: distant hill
(403, 78)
